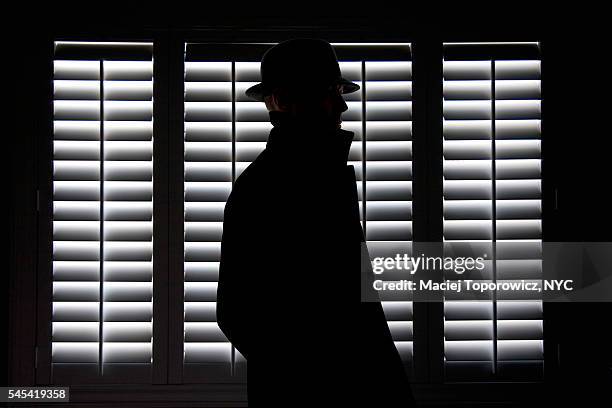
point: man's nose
(341, 104)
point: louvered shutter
(102, 209)
(387, 87)
(492, 196)
(224, 133)
(208, 181)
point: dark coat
(289, 282)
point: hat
(299, 64)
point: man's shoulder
(253, 175)
(251, 182)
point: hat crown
(306, 60)
(301, 65)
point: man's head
(325, 104)
(302, 77)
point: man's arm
(232, 291)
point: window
(492, 196)
(103, 327)
(102, 209)
(224, 133)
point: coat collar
(308, 139)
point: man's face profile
(326, 104)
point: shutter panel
(492, 196)
(102, 209)
(208, 182)
(224, 133)
(388, 169)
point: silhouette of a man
(289, 281)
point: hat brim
(258, 91)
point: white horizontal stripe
(72, 69)
(74, 352)
(212, 353)
(128, 70)
(127, 352)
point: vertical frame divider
(101, 238)
(550, 311)
(364, 157)
(233, 349)
(428, 317)
(176, 172)
(42, 297)
(161, 168)
(494, 212)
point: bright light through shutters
(225, 131)
(102, 206)
(492, 195)
(208, 182)
(388, 173)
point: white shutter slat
(385, 110)
(389, 130)
(77, 90)
(517, 109)
(76, 311)
(467, 209)
(519, 329)
(392, 90)
(75, 352)
(466, 90)
(208, 151)
(199, 332)
(251, 112)
(128, 130)
(253, 131)
(76, 251)
(75, 271)
(519, 168)
(466, 70)
(208, 132)
(71, 169)
(76, 110)
(136, 271)
(208, 111)
(75, 130)
(76, 150)
(518, 69)
(128, 91)
(466, 130)
(468, 330)
(208, 171)
(383, 210)
(517, 129)
(212, 353)
(76, 70)
(201, 311)
(76, 291)
(75, 331)
(76, 230)
(517, 89)
(467, 169)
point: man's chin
(326, 121)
